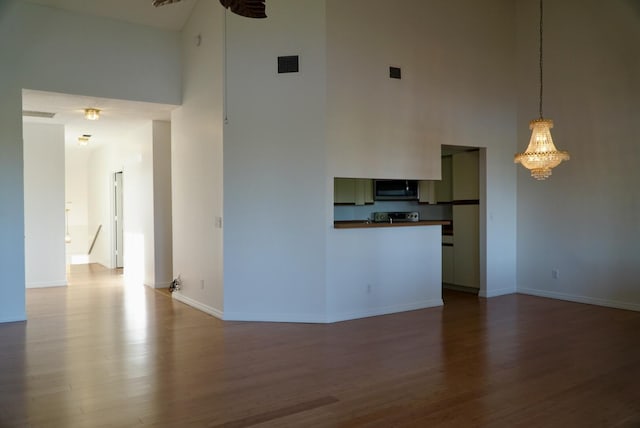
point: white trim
(159, 285)
(385, 310)
(46, 284)
(498, 292)
(304, 318)
(581, 299)
(197, 305)
(288, 317)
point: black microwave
(395, 190)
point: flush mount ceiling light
(541, 154)
(91, 114)
(246, 8)
(83, 140)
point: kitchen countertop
(364, 224)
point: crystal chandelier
(541, 154)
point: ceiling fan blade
(247, 8)
(157, 3)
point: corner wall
(275, 166)
(196, 162)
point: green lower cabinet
(466, 246)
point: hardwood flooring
(101, 354)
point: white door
(117, 220)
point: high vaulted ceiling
(169, 17)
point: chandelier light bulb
(83, 140)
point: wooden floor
(100, 354)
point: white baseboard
(580, 299)
(304, 318)
(287, 317)
(159, 285)
(384, 310)
(46, 284)
(498, 292)
(79, 259)
(195, 304)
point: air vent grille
(288, 64)
(44, 114)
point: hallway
(99, 353)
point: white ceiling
(168, 17)
(117, 117)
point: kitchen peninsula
(384, 253)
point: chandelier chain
(540, 61)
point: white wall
(12, 305)
(380, 127)
(162, 228)
(288, 135)
(133, 154)
(457, 88)
(44, 205)
(196, 162)
(583, 220)
(60, 51)
(76, 195)
(275, 159)
(49, 50)
(138, 219)
(103, 163)
(383, 270)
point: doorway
(461, 169)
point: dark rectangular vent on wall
(288, 64)
(395, 73)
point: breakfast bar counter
(363, 224)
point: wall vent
(31, 113)
(395, 73)
(288, 64)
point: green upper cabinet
(356, 191)
(466, 173)
(443, 188)
(427, 191)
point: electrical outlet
(555, 273)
